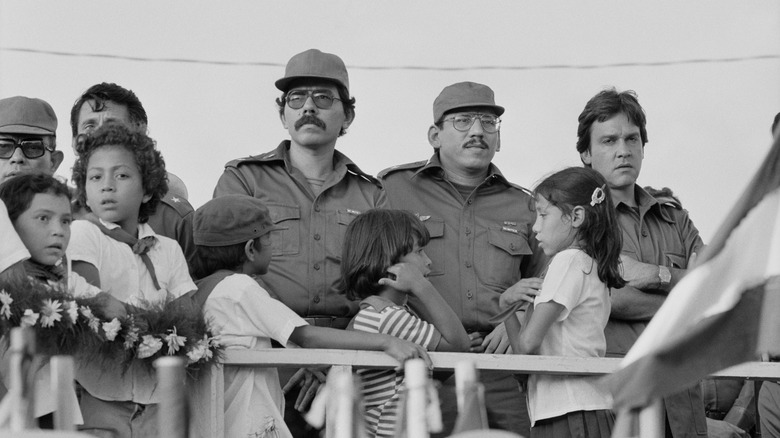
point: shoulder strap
(206, 286)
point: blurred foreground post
(62, 385)
(174, 410)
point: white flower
(50, 313)
(6, 300)
(131, 337)
(148, 347)
(29, 319)
(73, 310)
(197, 353)
(112, 329)
(93, 322)
(174, 341)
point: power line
(405, 67)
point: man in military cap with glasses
(312, 192)
(480, 225)
(28, 137)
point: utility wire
(405, 67)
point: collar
(341, 163)
(646, 203)
(377, 302)
(144, 230)
(434, 167)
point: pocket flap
(514, 244)
(281, 213)
(435, 227)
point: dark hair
(775, 123)
(154, 178)
(18, 192)
(374, 241)
(600, 234)
(605, 105)
(210, 259)
(108, 92)
(346, 101)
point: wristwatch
(664, 276)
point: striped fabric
(381, 387)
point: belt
(335, 322)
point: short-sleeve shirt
(480, 245)
(246, 317)
(306, 257)
(13, 249)
(380, 387)
(124, 276)
(572, 281)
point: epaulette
(181, 205)
(407, 166)
(366, 177)
(268, 156)
(665, 196)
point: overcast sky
(707, 74)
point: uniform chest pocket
(500, 264)
(435, 248)
(674, 260)
(286, 240)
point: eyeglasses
(30, 148)
(322, 99)
(490, 123)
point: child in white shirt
(576, 226)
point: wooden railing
(208, 392)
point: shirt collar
(434, 166)
(144, 230)
(377, 302)
(646, 202)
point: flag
(723, 312)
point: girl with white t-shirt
(577, 228)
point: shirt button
(644, 233)
(468, 264)
(468, 231)
(316, 237)
(469, 295)
(316, 207)
(316, 299)
(470, 201)
(316, 266)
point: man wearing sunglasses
(312, 192)
(28, 142)
(480, 227)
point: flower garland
(73, 326)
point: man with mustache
(481, 241)
(659, 239)
(312, 192)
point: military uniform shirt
(479, 246)
(306, 255)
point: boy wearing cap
(311, 190)
(28, 131)
(233, 244)
(481, 241)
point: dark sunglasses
(30, 148)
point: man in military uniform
(110, 102)
(659, 238)
(481, 241)
(312, 192)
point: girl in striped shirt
(383, 263)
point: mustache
(309, 120)
(477, 142)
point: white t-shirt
(124, 276)
(571, 281)
(246, 317)
(13, 250)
